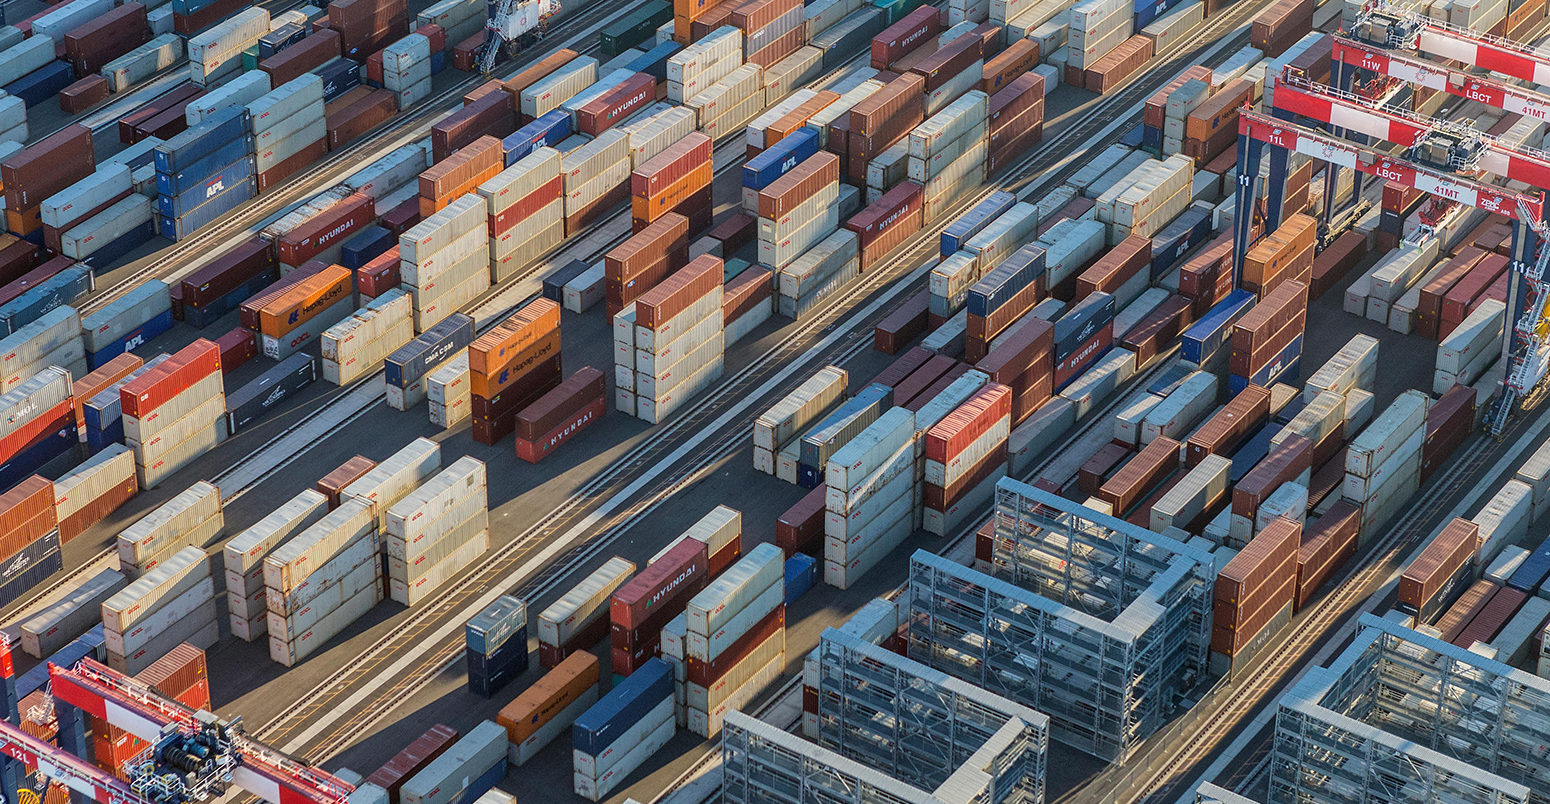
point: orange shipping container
(651, 208)
(305, 300)
(538, 704)
(539, 352)
(493, 350)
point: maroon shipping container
(31, 279)
(748, 290)
(1153, 464)
(1024, 360)
(1258, 568)
(559, 406)
(17, 258)
(333, 484)
(922, 378)
(1285, 462)
(1448, 422)
(179, 96)
(579, 419)
(145, 393)
(372, 110)
(706, 673)
(1230, 425)
(915, 29)
(1158, 329)
(380, 275)
(1454, 546)
(26, 513)
(800, 528)
(1116, 267)
(1457, 302)
(1331, 265)
(1328, 544)
(1492, 617)
(675, 162)
(752, 15)
(734, 231)
(106, 37)
(1428, 312)
(413, 759)
(492, 115)
(47, 166)
(83, 94)
(662, 243)
(496, 417)
(915, 403)
(789, 191)
(616, 104)
(190, 24)
(891, 111)
(303, 57)
(948, 61)
(888, 222)
(1465, 608)
(659, 305)
(333, 225)
(1111, 69)
(902, 367)
(1280, 26)
(660, 585)
(1094, 471)
(230, 271)
(237, 347)
(403, 217)
(906, 322)
(291, 165)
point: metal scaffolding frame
(920, 725)
(1403, 716)
(1207, 793)
(1088, 618)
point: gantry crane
(513, 24)
(193, 755)
(1443, 159)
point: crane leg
(1524, 243)
(1249, 151)
(72, 729)
(11, 772)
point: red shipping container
(948, 61)
(902, 367)
(309, 54)
(706, 673)
(26, 513)
(660, 304)
(102, 378)
(527, 206)
(83, 94)
(291, 165)
(145, 393)
(904, 324)
(905, 35)
(800, 528)
(380, 275)
(660, 586)
(613, 106)
(492, 115)
(1455, 545)
(413, 759)
(333, 225)
(946, 440)
(672, 164)
(887, 222)
(237, 347)
(230, 271)
(47, 166)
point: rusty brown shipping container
(1158, 329)
(905, 323)
(83, 94)
(460, 173)
(792, 122)
(890, 112)
(47, 166)
(613, 106)
(922, 378)
(1230, 425)
(26, 513)
(917, 28)
(1284, 255)
(1448, 423)
(803, 181)
(1328, 544)
(1280, 26)
(360, 116)
(106, 37)
(303, 57)
(752, 15)
(1156, 109)
(413, 759)
(291, 165)
(97, 509)
(1454, 546)
(1428, 313)
(1024, 360)
(1463, 610)
(948, 61)
(800, 528)
(334, 483)
(1285, 463)
(666, 239)
(1119, 64)
(1024, 95)
(1094, 471)
(783, 46)
(1260, 567)
(754, 287)
(981, 330)
(1331, 265)
(1152, 465)
(1019, 57)
(1213, 125)
(902, 367)
(539, 71)
(554, 407)
(1116, 267)
(493, 115)
(1285, 306)
(659, 305)
(887, 222)
(333, 225)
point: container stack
(192, 518)
(390, 481)
(677, 180)
(446, 260)
(41, 170)
(1147, 198)
(643, 604)
(947, 152)
(548, 708)
(748, 302)
(698, 66)
(459, 174)
(171, 604)
(1383, 461)
(1464, 354)
(31, 549)
(1000, 298)
(289, 318)
(86, 494)
(218, 50)
(679, 339)
(409, 369)
(779, 431)
(526, 209)
(406, 69)
(1254, 593)
(512, 366)
(597, 176)
(735, 640)
(246, 601)
(447, 390)
(560, 414)
(580, 618)
(648, 257)
(172, 414)
(290, 131)
(870, 501)
(727, 105)
(966, 453)
(365, 26)
(126, 322)
(1287, 255)
(772, 31)
(496, 639)
(887, 222)
(880, 120)
(464, 772)
(57, 625)
(321, 580)
(835, 430)
(1267, 341)
(560, 85)
(37, 423)
(623, 730)
(798, 210)
(62, 211)
(358, 345)
(437, 531)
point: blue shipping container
(482, 784)
(1081, 322)
(490, 629)
(801, 571)
(778, 160)
(197, 142)
(1533, 571)
(58, 290)
(970, 223)
(547, 129)
(339, 76)
(1152, 139)
(30, 567)
(206, 213)
(114, 250)
(202, 317)
(1251, 451)
(1179, 238)
(488, 673)
(1015, 273)
(623, 707)
(1205, 337)
(1132, 137)
(367, 244)
(1282, 368)
(654, 61)
(195, 194)
(43, 449)
(132, 340)
(432, 346)
(438, 61)
(177, 181)
(1291, 410)
(44, 83)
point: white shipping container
(1354, 366)
(304, 644)
(94, 477)
(1387, 433)
(584, 603)
(142, 62)
(1480, 332)
(173, 577)
(58, 624)
(549, 92)
(124, 314)
(103, 228)
(240, 91)
(802, 67)
(68, 205)
(735, 589)
(169, 522)
(218, 49)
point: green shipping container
(635, 27)
(250, 59)
(895, 10)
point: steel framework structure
(920, 725)
(1208, 793)
(1087, 618)
(1403, 716)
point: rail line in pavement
(414, 652)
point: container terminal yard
(757, 401)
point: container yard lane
(402, 655)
